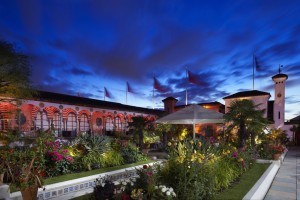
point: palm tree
(247, 119)
(138, 125)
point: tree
(247, 119)
(15, 73)
(138, 125)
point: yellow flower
(199, 144)
(199, 160)
(180, 159)
(241, 160)
(169, 144)
(191, 141)
(193, 157)
(228, 151)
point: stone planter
(30, 193)
(276, 156)
(1, 178)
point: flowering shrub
(58, 160)
(277, 149)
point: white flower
(156, 187)
(168, 193)
(163, 189)
(171, 189)
(124, 183)
(116, 183)
(173, 194)
(131, 183)
(103, 184)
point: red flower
(145, 166)
(126, 197)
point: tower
(169, 104)
(279, 101)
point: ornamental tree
(15, 73)
(247, 119)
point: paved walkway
(286, 184)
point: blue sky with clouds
(83, 46)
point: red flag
(158, 86)
(257, 65)
(106, 93)
(193, 78)
(129, 88)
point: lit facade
(69, 115)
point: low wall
(78, 187)
(261, 187)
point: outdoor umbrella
(193, 114)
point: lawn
(245, 183)
(72, 176)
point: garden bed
(80, 186)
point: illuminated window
(109, 124)
(71, 122)
(42, 121)
(84, 123)
(118, 124)
(56, 120)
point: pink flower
(235, 154)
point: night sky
(80, 47)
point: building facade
(69, 115)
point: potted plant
(25, 167)
(26, 164)
(277, 150)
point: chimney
(169, 104)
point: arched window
(84, 123)
(71, 122)
(42, 121)
(109, 126)
(118, 124)
(56, 120)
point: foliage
(246, 182)
(26, 165)
(150, 138)
(93, 143)
(138, 125)
(198, 169)
(277, 149)
(277, 136)
(131, 154)
(58, 160)
(112, 158)
(15, 73)
(246, 119)
(90, 149)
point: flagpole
(153, 94)
(126, 91)
(104, 94)
(186, 76)
(253, 60)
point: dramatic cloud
(83, 46)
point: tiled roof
(280, 76)
(82, 101)
(169, 98)
(250, 93)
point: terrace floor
(286, 184)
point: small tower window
(278, 115)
